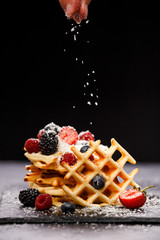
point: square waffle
(48, 180)
(83, 172)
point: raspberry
(32, 145)
(40, 134)
(91, 157)
(69, 158)
(48, 143)
(86, 135)
(69, 135)
(43, 201)
(28, 197)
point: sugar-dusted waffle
(45, 162)
(73, 180)
(48, 181)
(84, 171)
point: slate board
(12, 211)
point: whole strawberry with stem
(133, 198)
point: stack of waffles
(73, 183)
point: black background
(40, 82)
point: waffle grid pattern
(116, 179)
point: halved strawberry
(69, 135)
(133, 198)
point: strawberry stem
(147, 188)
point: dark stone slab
(12, 211)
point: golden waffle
(46, 161)
(83, 193)
(54, 191)
(57, 193)
(47, 178)
(48, 181)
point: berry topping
(52, 127)
(32, 145)
(28, 197)
(68, 207)
(98, 182)
(86, 136)
(48, 143)
(43, 201)
(85, 149)
(69, 135)
(69, 158)
(40, 134)
(133, 198)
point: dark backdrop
(42, 75)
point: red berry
(40, 134)
(132, 198)
(32, 145)
(69, 135)
(69, 158)
(86, 136)
(91, 157)
(43, 201)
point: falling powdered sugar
(90, 86)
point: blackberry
(28, 196)
(52, 127)
(48, 143)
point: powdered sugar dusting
(63, 146)
(12, 208)
(91, 90)
(80, 143)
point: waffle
(48, 181)
(116, 179)
(73, 183)
(47, 177)
(57, 193)
(48, 162)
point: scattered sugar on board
(11, 207)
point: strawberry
(69, 135)
(32, 145)
(86, 135)
(133, 198)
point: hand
(76, 9)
